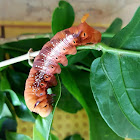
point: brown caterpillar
(41, 76)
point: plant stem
(108, 35)
(82, 68)
(99, 46)
(104, 48)
(92, 126)
(18, 59)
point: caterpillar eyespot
(46, 76)
(41, 76)
(42, 84)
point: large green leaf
(63, 17)
(120, 72)
(129, 37)
(53, 137)
(124, 77)
(42, 126)
(1, 54)
(67, 102)
(5, 86)
(72, 59)
(14, 98)
(7, 124)
(10, 107)
(5, 111)
(23, 112)
(2, 68)
(87, 61)
(77, 83)
(2, 100)
(22, 46)
(16, 136)
(103, 90)
(17, 81)
(4, 83)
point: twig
(22, 58)
(18, 59)
(99, 46)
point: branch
(18, 59)
(99, 46)
(27, 56)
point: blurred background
(18, 15)
(34, 16)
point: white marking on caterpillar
(56, 51)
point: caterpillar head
(87, 34)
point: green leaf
(63, 17)
(23, 112)
(42, 126)
(7, 124)
(2, 68)
(96, 53)
(4, 83)
(2, 100)
(114, 28)
(74, 137)
(16, 136)
(129, 36)
(86, 61)
(67, 102)
(14, 98)
(1, 54)
(20, 47)
(5, 86)
(10, 107)
(72, 59)
(53, 137)
(115, 88)
(22, 67)
(17, 81)
(77, 83)
(5, 111)
(124, 68)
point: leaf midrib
(107, 76)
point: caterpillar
(45, 65)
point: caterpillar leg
(30, 62)
(50, 98)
